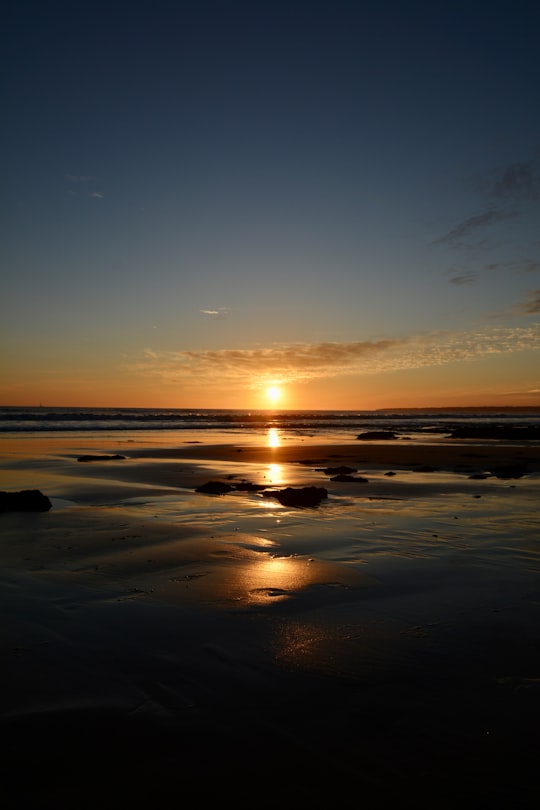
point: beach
(162, 644)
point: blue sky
(203, 199)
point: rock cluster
(290, 496)
(100, 458)
(215, 488)
(27, 500)
(377, 435)
(305, 496)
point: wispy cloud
(466, 228)
(521, 266)
(97, 194)
(301, 362)
(531, 305)
(219, 313)
(513, 184)
(463, 278)
(507, 192)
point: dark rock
(372, 435)
(27, 500)
(426, 468)
(478, 476)
(390, 472)
(215, 488)
(305, 496)
(100, 458)
(343, 477)
(247, 486)
(337, 470)
(510, 471)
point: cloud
(531, 306)
(466, 228)
(97, 195)
(507, 191)
(513, 184)
(523, 266)
(302, 362)
(219, 313)
(464, 278)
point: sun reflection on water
(272, 579)
(275, 475)
(274, 439)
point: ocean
(406, 423)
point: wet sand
(161, 645)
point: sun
(273, 393)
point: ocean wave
(42, 419)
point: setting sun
(273, 393)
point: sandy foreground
(161, 645)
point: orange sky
(231, 380)
(346, 205)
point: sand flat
(390, 631)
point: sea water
(408, 423)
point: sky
(203, 201)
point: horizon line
(285, 410)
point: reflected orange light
(273, 437)
(272, 579)
(275, 474)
